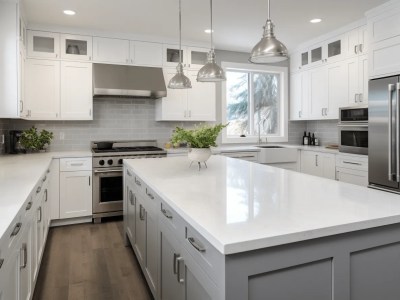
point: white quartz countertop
(18, 176)
(240, 206)
(236, 148)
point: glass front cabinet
(76, 47)
(43, 44)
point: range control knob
(110, 162)
(120, 161)
(101, 162)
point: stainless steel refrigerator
(384, 134)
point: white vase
(199, 154)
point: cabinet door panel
(140, 235)
(43, 44)
(76, 47)
(295, 96)
(146, 54)
(201, 99)
(363, 78)
(75, 194)
(152, 248)
(352, 75)
(352, 42)
(309, 163)
(337, 87)
(76, 91)
(328, 166)
(9, 277)
(352, 176)
(318, 91)
(110, 50)
(42, 89)
(130, 218)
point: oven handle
(353, 125)
(107, 171)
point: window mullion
(251, 104)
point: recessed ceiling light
(69, 12)
(208, 31)
(315, 20)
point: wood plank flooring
(90, 261)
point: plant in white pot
(199, 140)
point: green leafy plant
(32, 140)
(203, 136)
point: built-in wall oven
(108, 169)
(353, 130)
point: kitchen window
(254, 98)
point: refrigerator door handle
(390, 90)
(397, 131)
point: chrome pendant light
(211, 71)
(268, 49)
(180, 81)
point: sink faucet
(259, 132)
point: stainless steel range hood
(128, 81)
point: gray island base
(193, 240)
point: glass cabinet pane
(76, 47)
(43, 44)
(173, 55)
(304, 58)
(316, 54)
(335, 48)
(198, 58)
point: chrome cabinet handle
(21, 106)
(128, 173)
(24, 256)
(138, 182)
(316, 160)
(16, 229)
(29, 205)
(44, 179)
(1, 262)
(352, 163)
(149, 195)
(361, 97)
(198, 246)
(131, 198)
(175, 262)
(179, 260)
(390, 90)
(322, 111)
(76, 164)
(38, 189)
(40, 214)
(360, 47)
(45, 192)
(355, 49)
(166, 213)
(141, 212)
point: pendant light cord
(269, 10)
(180, 33)
(211, 13)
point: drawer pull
(29, 205)
(175, 262)
(131, 198)
(351, 163)
(16, 229)
(166, 213)
(38, 189)
(138, 182)
(48, 170)
(149, 195)
(141, 212)
(40, 214)
(179, 260)
(129, 173)
(45, 199)
(1, 262)
(199, 247)
(44, 179)
(24, 256)
(76, 164)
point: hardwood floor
(90, 261)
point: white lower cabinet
(352, 169)
(9, 276)
(318, 163)
(75, 187)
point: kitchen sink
(269, 147)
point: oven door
(107, 190)
(353, 139)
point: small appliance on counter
(14, 142)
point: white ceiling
(237, 23)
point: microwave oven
(353, 130)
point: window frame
(283, 107)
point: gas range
(113, 157)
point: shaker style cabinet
(192, 57)
(195, 104)
(357, 43)
(43, 44)
(146, 54)
(108, 50)
(299, 95)
(318, 164)
(76, 47)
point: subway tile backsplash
(325, 130)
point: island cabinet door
(152, 252)
(170, 286)
(130, 216)
(140, 229)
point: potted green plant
(199, 140)
(33, 141)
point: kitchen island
(240, 230)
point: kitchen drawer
(170, 218)
(244, 155)
(76, 164)
(138, 184)
(206, 256)
(353, 162)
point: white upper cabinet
(76, 47)
(42, 89)
(146, 54)
(171, 55)
(337, 82)
(111, 50)
(43, 44)
(76, 91)
(318, 92)
(299, 96)
(195, 104)
(384, 34)
(357, 43)
(196, 57)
